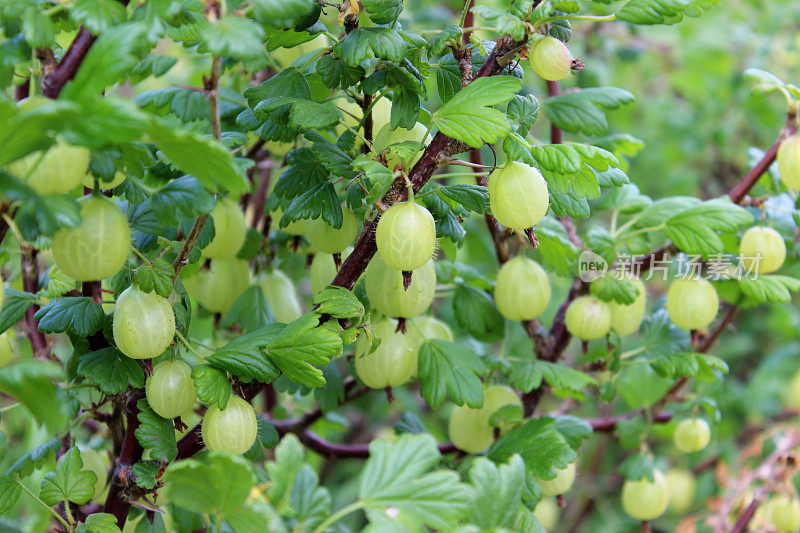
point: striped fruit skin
(406, 236)
(644, 499)
(170, 389)
(217, 288)
(330, 240)
(518, 195)
(233, 429)
(392, 363)
(789, 161)
(588, 318)
(229, 230)
(282, 298)
(385, 291)
(99, 246)
(625, 319)
(469, 428)
(762, 250)
(62, 168)
(550, 59)
(144, 324)
(692, 303)
(522, 291)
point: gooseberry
(681, 487)
(546, 512)
(281, 296)
(229, 230)
(386, 294)
(762, 250)
(786, 514)
(692, 303)
(97, 463)
(98, 247)
(62, 168)
(170, 389)
(392, 363)
(218, 287)
(626, 318)
(559, 484)
(296, 227)
(588, 318)
(406, 236)
(789, 161)
(518, 195)
(470, 429)
(643, 499)
(119, 177)
(550, 59)
(330, 240)
(691, 435)
(232, 429)
(143, 324)
(522, 291)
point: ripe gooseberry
(546, 512)
(789, 161)
(522, 291)
(385, 290)
(97, 463)
(218, 287)
(518, 195)
(550, 59)
(98, 247)
(232, 429)
(330, 240)
(323, 270)
(406, 236)
(762, 250)
(392, 363)
(62, 168)
(170, 389)
(281, 296)
(786, 513)
(229, 230)
(691, 435)
(143, 324)
(470, 429)
(692, 303)
(559, 484)
(625, 319)
(681, 487)
(643, 499)
(387, 136)
(588, 318)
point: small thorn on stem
(406, 279)
(560, 501)
(179, 424)
(389, 395)
(584, 347)
(577, 65)
(534, 242)
(401, 326)
(337, 261)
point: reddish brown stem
(30, 283)
(130, 454)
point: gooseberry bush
(340, 266)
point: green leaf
(505, 21)
(69, 482)
(380, 177)
(156, 276)
(243, 356)
(199, 156)
(467, 116)
(111, 370)
(303, 113)
(336, 73)
(99, 523)
(610, 288)
(155, 433)
(450, 369)
(311, 503)
(338, 302)
(575, 430)
(662, 11)
(383, 11)
(366, 43)
(97, 15)
(472, 197)
(475, 312)
(450, 34)
(498, 492)
(218, 483)
(35, 458)
(771, 288)
(583, 111)
(523, 110)
(78, 314)
(695, 230)
(320, 201)
(232, 36)
(37, 28)
(212, 385)
(289, 457)
(556, 252)
(541, 446)
(145, 473)
(527, 375)
(10, 491)
(572, 168)
(15, 303)
(250, 311)
(184, 197)
(303, 346)
(31, 382)
(398, 475)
